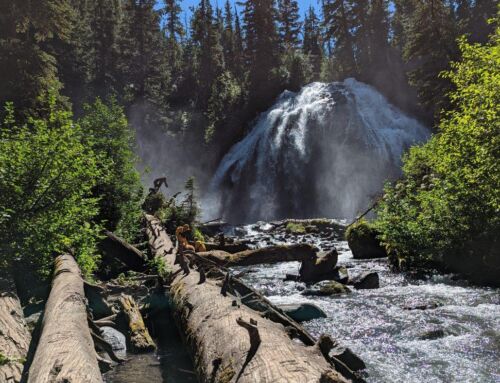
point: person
(181, 235)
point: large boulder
(234, 247)
(366, 280)
(327, 289)
(303, 311)
(362, 240)
(319, 267)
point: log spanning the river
(269, 255)
(14, 335)
(229, 341)
(65, 352)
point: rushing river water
(455, 339)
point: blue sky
(303, 4)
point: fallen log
(14, 334)
(140, 340)
(113, 247)
(229, 341)
(227, 247)
(65, 351)
(269, 255)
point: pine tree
(358, 11)
(311, 44)
(430, 45)
(209, 52)
(378, 38)
(28, 66)
(337, 25)
(143, 69)
(262, 47)
(239, 54)
(174, 31)
(105, 26)
(289, 24)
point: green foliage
(47, 175)
(295, 228)
(119, 188)
(4, 360)
(174, 214)
(158, 266)
(447, 205)
(360, 231)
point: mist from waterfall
(324, 151)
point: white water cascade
(324, 151)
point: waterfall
(324, 151)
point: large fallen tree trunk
(229, 341)
(269, 255)
(65, 352)
(14, 335)
(113, 247)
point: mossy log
(65, 351)
(140, 340)
(268, 255)
(14, 335)
(229, 341)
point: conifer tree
(174, 31)
(289, 24)
(337, 24)
(262, 47)
(431, 45)
(311, 44)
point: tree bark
(65, 352)
(229, 341)
(268, 255)
(140, 340)
(14, 335)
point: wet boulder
(319, 267)
(327, 289)
(366, 280)
(303, 311)
(116, 339)
(363, 242)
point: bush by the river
(445, 211)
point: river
(455, 339)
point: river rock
(432, 334)
(328, 289)
(363, 242)
(116, 339)
(349, 358)
(367, 280)
(303, 311)
(319, 267)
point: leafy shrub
(119, 188)
(47, 175)
(445, 210)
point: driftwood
(14, 334)
(140, 340)
(65, 351)
(229, 341)
(269, 255)
(113, 246)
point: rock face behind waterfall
(324, 151)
